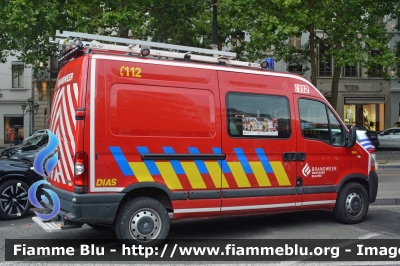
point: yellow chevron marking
(216, 174)
(260, 174)
(141, 172)
(280, 173)
(169, 175)
(239, 174)
(193, 174)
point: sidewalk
(389, 164)
(389, 183)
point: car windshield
(35, 140)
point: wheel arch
(153, 190)
(19, 177)
(358, 178)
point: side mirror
(351, 137)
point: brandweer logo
(44, 163)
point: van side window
(258, 115)
(318, 122)
(337, 133)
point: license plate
(3, 156)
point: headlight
(18, 151)
(13, 157)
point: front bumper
(87, 208)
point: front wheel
(142, 221)
(14, 202)
(352, 204)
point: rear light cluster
(81, 169)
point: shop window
(350, 114)
(257, 115)
(364, 115)
(318, 122)
(325, 64)
(11, 122)
(17, 70)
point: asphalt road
(382, 222)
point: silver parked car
(389, 138)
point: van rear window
(258, 115)
(140, 110)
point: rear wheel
(14, 202)
(142, 221)
(352, 204)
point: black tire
(142, 221)
(100, 227)
(352, 204)
(14, 202)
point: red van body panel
(168, 128)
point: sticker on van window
(301, 88)
(264, 126)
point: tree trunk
(122, 32)
(335, 86)
(312, 55)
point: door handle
(294, 156)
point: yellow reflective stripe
(224, 182)
(216, 174)
(141, 172)
(280, 173)
(259, 173)
(169, 175)
(239, 174)
(193, 174)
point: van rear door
(68, 96)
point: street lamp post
(33, 108)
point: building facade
(15, 90)
(43, 83)
(363, 99)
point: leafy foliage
(348, 29)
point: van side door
(256, 137)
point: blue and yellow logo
(45, 162)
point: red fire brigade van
(146, 140)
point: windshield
(36, 140)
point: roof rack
(131, 47)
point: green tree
(28, 24)
(347, 29)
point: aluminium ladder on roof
(131, 47)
